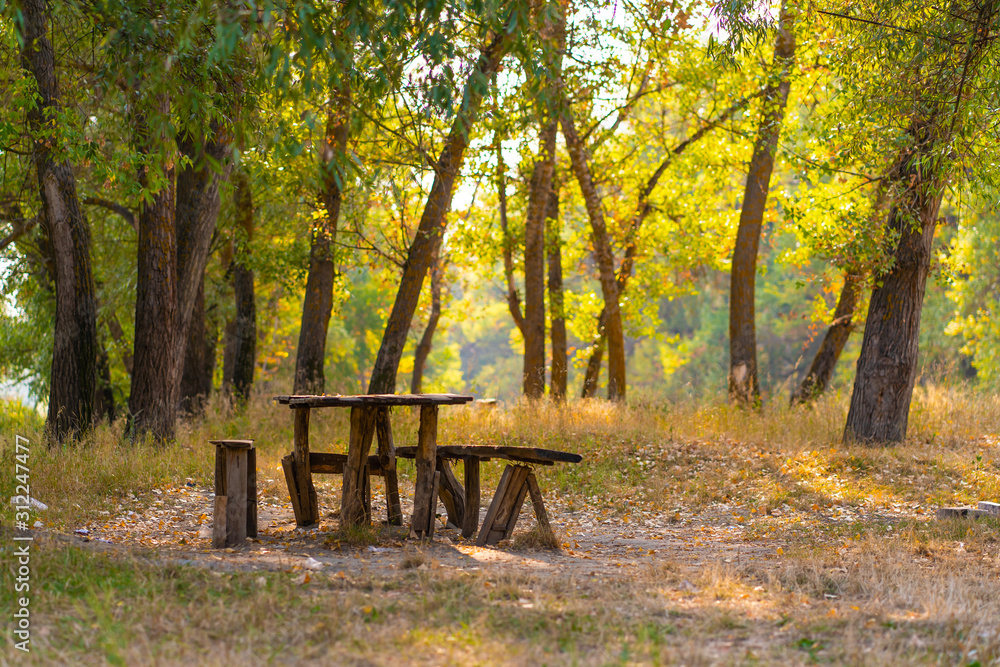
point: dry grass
(862, 577)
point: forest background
(303, 150)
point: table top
(371, 400)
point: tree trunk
(245, 329)
(427, 339)
(887, 366)
(196, 379)
(152, 401)
(818, 377)
(533, 374)
(744, 387)
(603, 255)
(433, 220)
(196, 214)
(73, 380)
(557, 314)
(318, 302)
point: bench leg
(451, 493)
(288, 465)
(536, 503)
(387, 458)
(470, 520)
(505, 507)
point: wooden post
(451, 493)
(252, 492)
(303, 475)
(236, 497)
(219, 523)
(470, 520)
(387, 457)
(426, 455)
(352, 504)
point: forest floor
(688, 536)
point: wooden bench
(462, 504)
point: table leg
(423, 492)
(303, 474)
(470, 520)
(387, 457)
(352, 504)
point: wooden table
(369, 415)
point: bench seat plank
(371, 400)
(534, 455)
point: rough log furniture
(516, 481)
(369, 417)
(235, 514)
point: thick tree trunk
(244, 338)
(744, 387)
(196, 380)
(887, 366)
(152, 401)
(318, 302)
(604, 256)
(821, 370)
(433, 220)
(73, 380)
(557, 314)
(427, 339)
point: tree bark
(604, 256)
(152, 400)
(318, 302)
(73, 379)
(557, 315)
(199, 359)
(821, 370)
(427, 339)
(245, 330)
(433, 220)
(744, 386)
